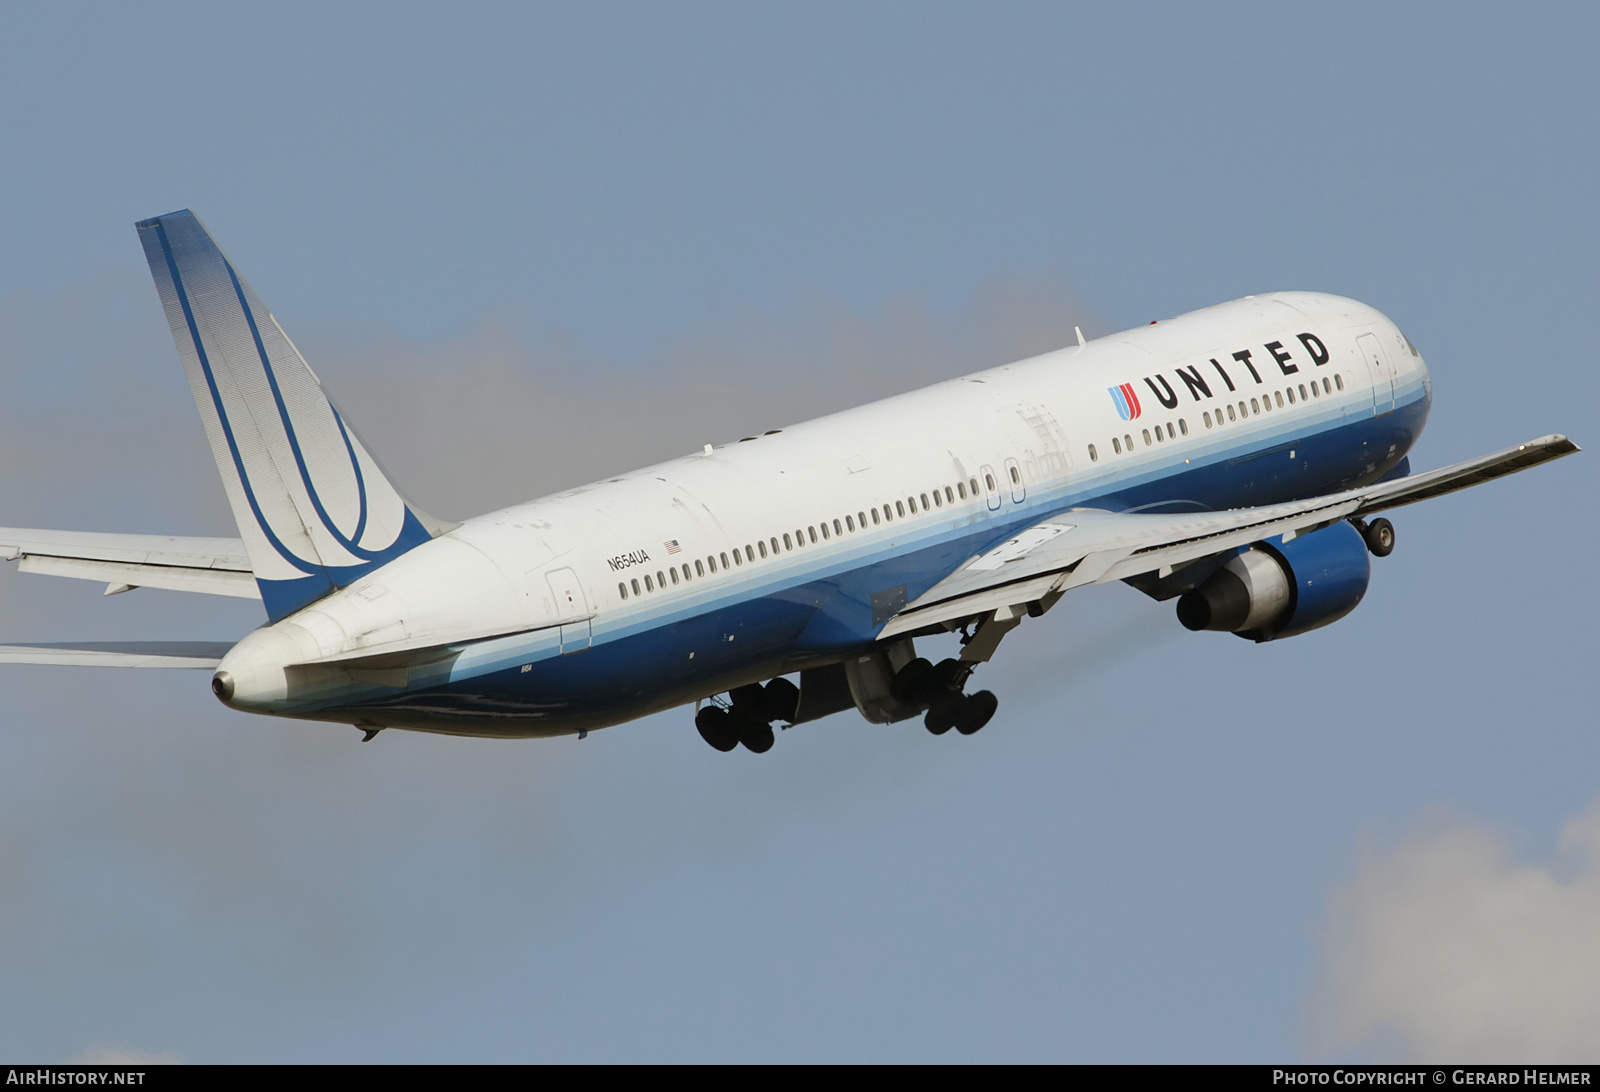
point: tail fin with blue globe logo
(313, 507)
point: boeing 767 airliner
(1230, 458)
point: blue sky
(531, 245)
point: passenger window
(989, 480)
(674, 574)
(1291, 396)
(749, 554)
(725, 558)
(1146, 437)
(1016, 479)
(1127, 442)
(1183, 426)
(1325, 388)
(875, 518)
(1303, 395)
(1244, 411)
(888, 514)
(835, 527)
(1116, 446)
(972, 485)
(961, 490)
(1094, 456)
(647, 584)
(774, 541)
(1338, 381)
(938, 501)
(1230, 411)
(925, 499)
(949, 496)
(899, 509)
(635, 583)
(1206, 417)
(1254, 408)
(622, 589)
(700, 570)
(1279, 396)
(762, 546)
(661, 580)
(1315, 393)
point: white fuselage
(590, 606)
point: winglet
(313, 507)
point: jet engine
(1279, 589)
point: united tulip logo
(1126, 401)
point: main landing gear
(748, 718)
(939, 688)
(882, 694)
(1379, 535)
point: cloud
(1446, 948)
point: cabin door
(572, 608)
(1380, 371)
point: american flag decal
(1126, 401)
(672, 546)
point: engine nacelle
(1279, 589)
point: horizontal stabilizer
(214, 566)
(181, 654)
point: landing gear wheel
(976, 711)
(943, 712)
(952, 674)
(782, 699)
(1380, 537)
(717, 728)
(915, 682)
(756, 736)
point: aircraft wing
(215, 566)
(1092, 546)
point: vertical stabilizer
(312, 506)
